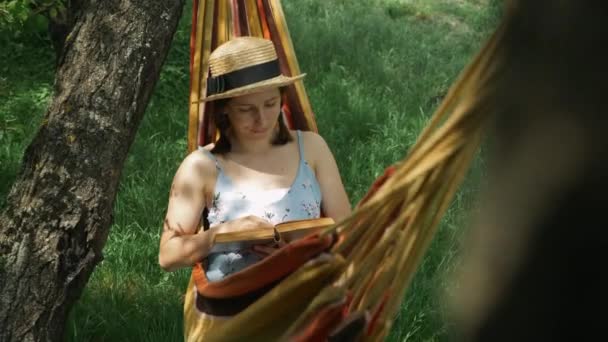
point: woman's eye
(244, 110)
(269, 105)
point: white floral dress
(300, 201)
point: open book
(287, 231)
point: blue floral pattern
(313, 209)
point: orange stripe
(324, 322)
(265, 272)
(263, 20)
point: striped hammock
(346, 283)
(216, 21)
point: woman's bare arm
(181, 242)
(335, 203)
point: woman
(258, 174)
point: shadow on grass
(131, 307)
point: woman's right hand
(244, 223)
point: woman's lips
(259, 131)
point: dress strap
(300, 145)
(213, 157)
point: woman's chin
(259, 134)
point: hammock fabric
(346, 283)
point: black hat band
(242, 77)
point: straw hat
(242, 66)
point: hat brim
(278, 81)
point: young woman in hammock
(258, 174)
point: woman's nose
(261, 115)
(258, 116)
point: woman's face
(254, 116)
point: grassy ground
(376, 71)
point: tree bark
(59, 210)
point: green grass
(376, 71)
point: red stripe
(265, 272)
(288, 115)
(379, 309)
(236, 25)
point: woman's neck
(258, 146)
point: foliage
(31, 15)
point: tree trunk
(59, 210)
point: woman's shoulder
(200, 161)
(310, 138)
(315, 147)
